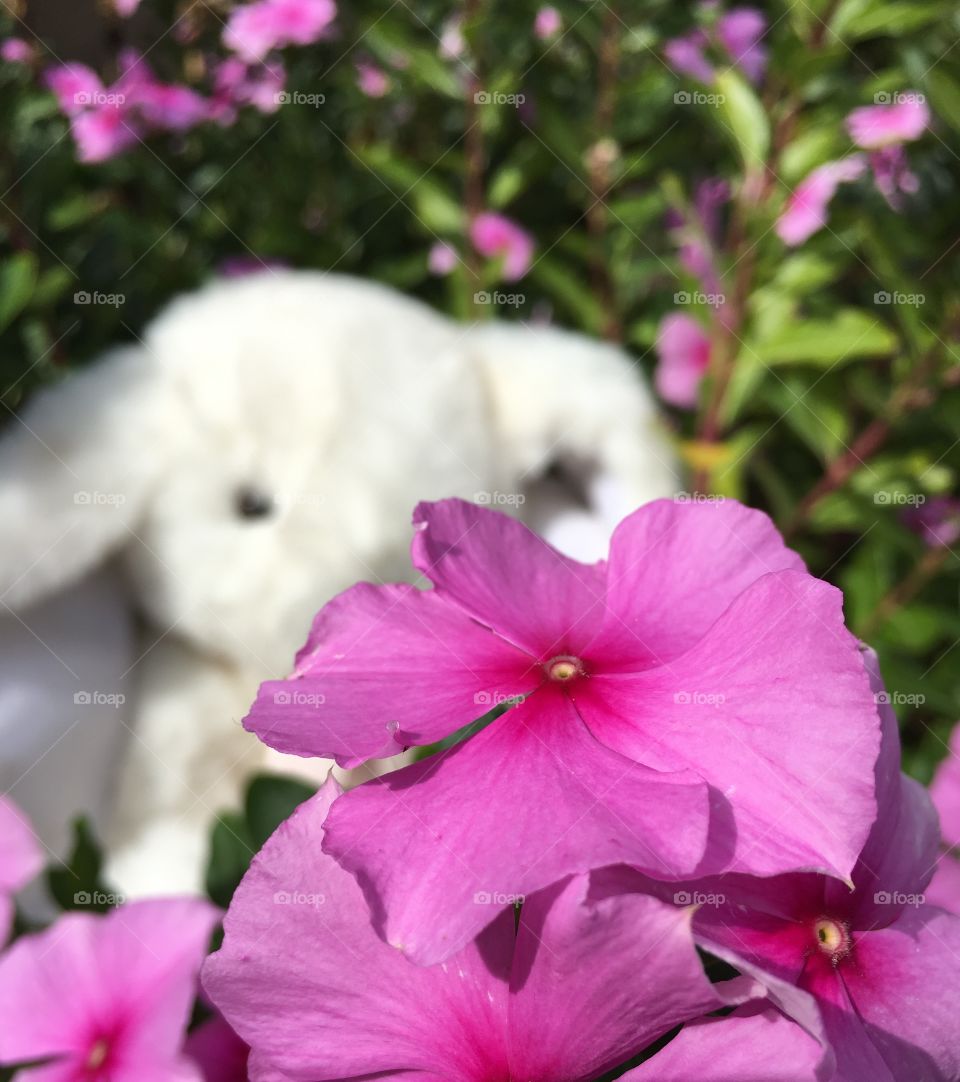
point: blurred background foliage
(835, 411)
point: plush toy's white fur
(334, 405)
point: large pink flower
(106, 997)
(693, 702)
(497, 237)
(577, 989)
(20, 860)
(806, 210)
(254, 29)
(683, 357)
(879, 962)
(875, 126)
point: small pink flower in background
(236, 83)
(497, 237)
(125, 7)
(452, 42)
(892, 174)
(75, 87)
(372, 80)
(740, 32)
(737, 35)
(107, 996)
(806, 210)
(683, 351)
(570, 992)
(21, 860)
(16, 51)
(548, 23)
(686, 56)
(103, 132)
(681, 666)
(170, 108)
(443, 259)
(938, 522)
(874, 126)
(254, 29)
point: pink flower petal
(683, 350)
(594, 983)
(806, 210)
(21, 860)
(508, 578)
(876, 126)
(741, 32)
(944, 889)
(906, 989)
(754, 1044)
(385, 667)
(75, 86)
(945, 790)
(497, 237)
(308, 985)
(773, 708)
(219, 1053)
(547, 23)
(254, 29)
(434, 848)
(675, 567)
(685, 55)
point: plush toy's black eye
(250, 502)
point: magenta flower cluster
(690, 750)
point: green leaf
(944, 94)
(18, 275)
(569, 288)
(76, 884)
(744, 118)
(272, 799)
(231, 849)
(849, 335)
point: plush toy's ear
(578, 428)
(74, 469)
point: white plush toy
(260, 450)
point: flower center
(833, 938)
(564, 668)
(98, 1054)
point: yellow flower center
(564, 668)
(833, 938)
